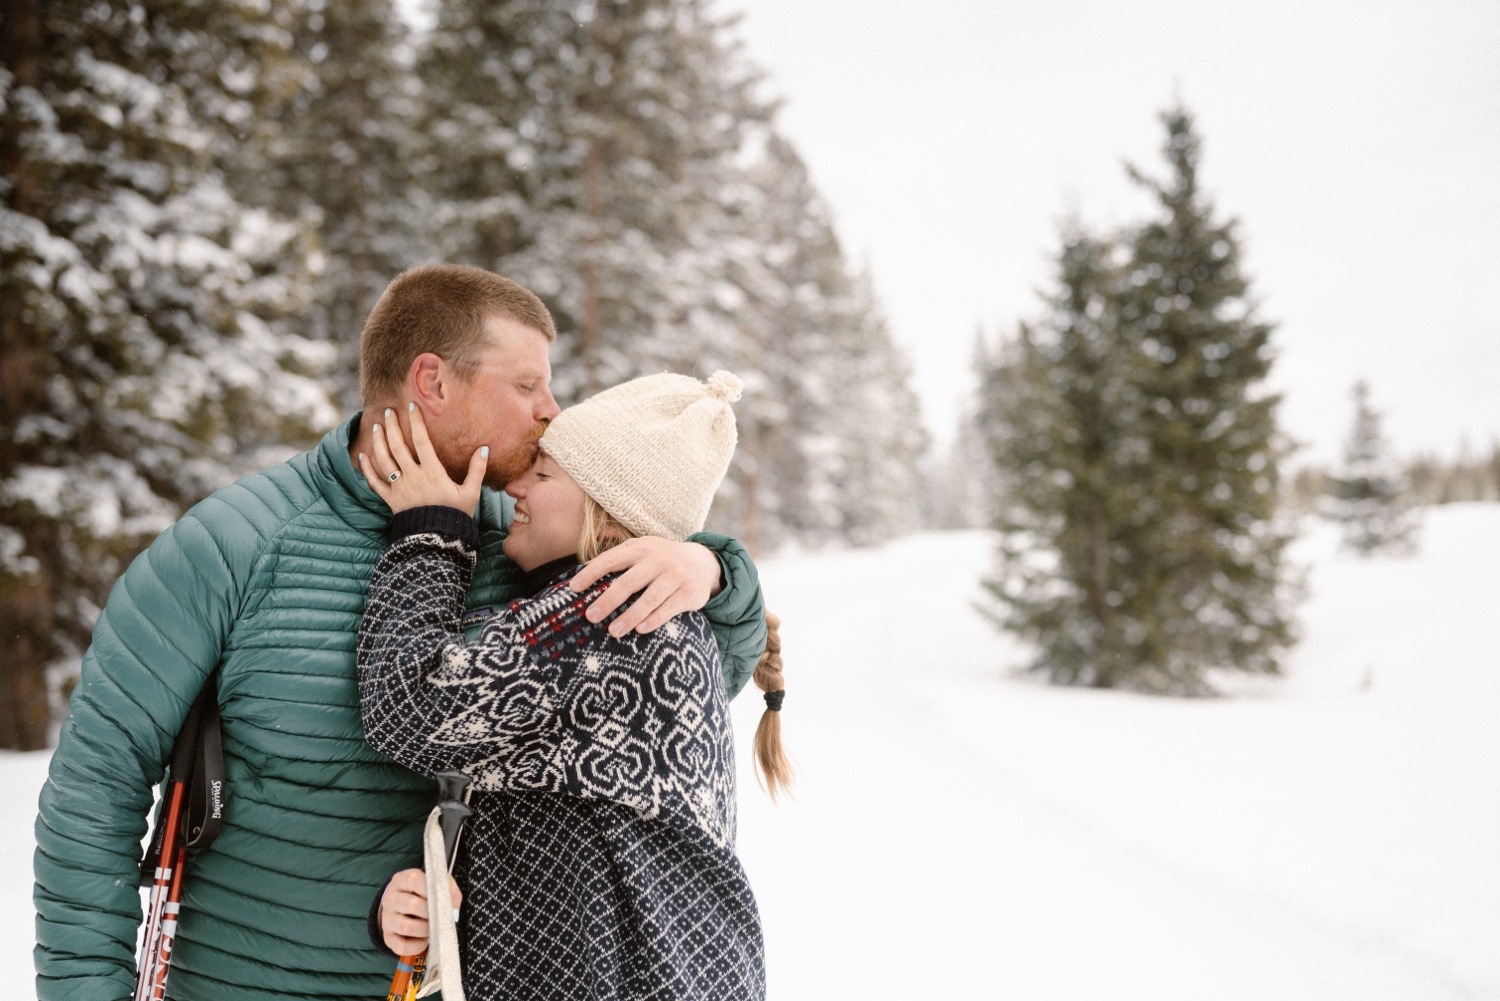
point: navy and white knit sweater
(599, 863)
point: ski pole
(452, 812)
(171, 859)
(151, 979)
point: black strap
(197, 759)
(206, 795)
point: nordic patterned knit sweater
(599, 863)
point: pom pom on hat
(725, 386)
(651, 451)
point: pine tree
(1188, 311)
(1367, 496)
(333, 143)
(1147, 548)
(1060, 416)
(586, 151)
(615, 158)
(830, 429)
(145, 355)
(773, 493)
(875, 418)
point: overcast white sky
(1358, 142)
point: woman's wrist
(436, 518)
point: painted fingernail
(387, 413)
(485, 451)
(410, 407)
(377, 428)
(361, 457)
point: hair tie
(774, 700)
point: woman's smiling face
(549, 515)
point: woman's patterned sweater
(600, 860)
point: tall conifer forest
(199, 202)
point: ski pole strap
(198, 760)
(206, 796)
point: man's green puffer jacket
(266, 581)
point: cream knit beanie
(651, 451)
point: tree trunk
(354, 121)
(20, 54)
(588, 347)
(26, 639)
(593, 197)
(26, 620)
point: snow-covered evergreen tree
(1367, 495)
(200, 201)
(763, 497)
(875, 419)
(1060, 416)
(1222, 592)
(830, 429)
(1141, 543)
(585, 152)
(334, 145)
(614, 158)
(793, 272)
(146, 360)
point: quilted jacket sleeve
(159, 637)
(738, 612)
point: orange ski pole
(166, 894)
(408, 978)
(166, 885)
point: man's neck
(364, 438)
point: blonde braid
(771, 764)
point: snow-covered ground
(960, 832)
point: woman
(599, 861)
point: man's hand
(403, 911)
(674, 577)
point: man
(259, 590)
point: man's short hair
(440, 308)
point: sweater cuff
(373, 926)
(439, 518)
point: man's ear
(430, 382)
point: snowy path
(960, 834)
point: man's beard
(515, 462)
(504, 465)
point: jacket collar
(344, 486)
(351, 498)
